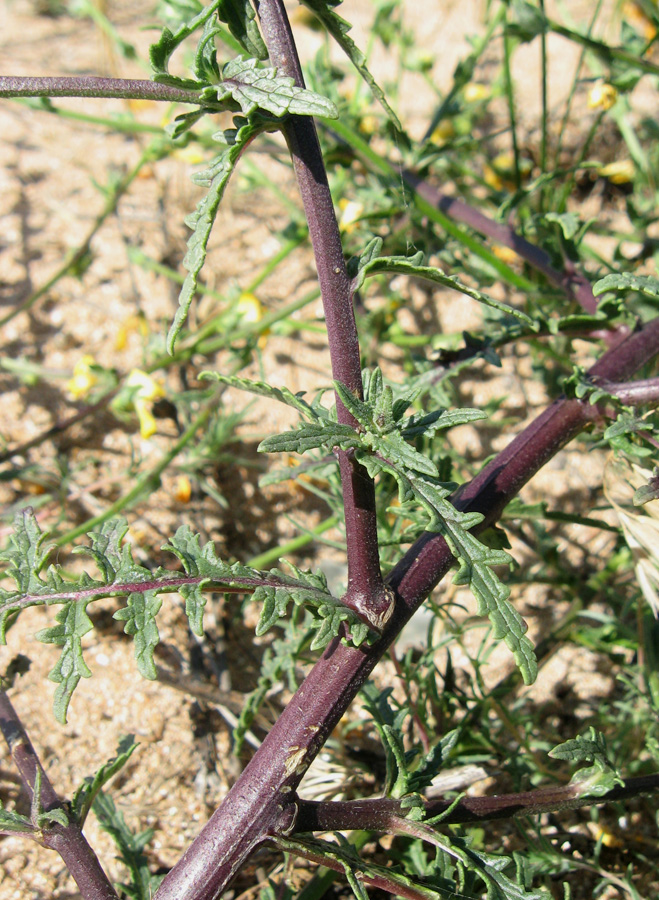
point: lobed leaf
(255, 87)
(161, 52)
(74, 624)
(202, 219)
(239, 15)
(283, 395)
(625, 281)
(139, 614)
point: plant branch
(376, 814)
(93, 86)
(68, 841)
(644, 392)
(366, 593)
(246, 817)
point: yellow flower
(619, 172)
(130, 324)
(474, 92)
(84, 377)
(444, 132)
(250, 309)
(351, 212)
(183, 490)
(602, 96)
(369, 124)
(145, 391)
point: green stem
(263, 560)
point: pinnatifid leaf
(411, 266)
(339, 28)
(143, 884)
(310, 436)
(74, 624)
(239, 15)
(625, 281)
(283, 395)
(139, 614)
(161, 52)
(201, 221)
(257, 87)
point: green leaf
(256, 87)
(161, 52)
(310, 436)
(85, 795)
(439, 420)
(644, 284)
(74, 624)
(13, 823)
(139, 615)
(47, 818)
(26, 553)
(339, 29)
(283, 395)
(568, 222)
(206, 68)
(143, 884)
(595, 780)
(239, 15)
(411, 266)
(202, 219)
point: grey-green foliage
(371, 263)
(120, 575)
(242, 85)
(626, 281)
(131, 847)
(381, 444)
(600, 777)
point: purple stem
(376, 814)
(644, 392)
(576, 286)
(92, 86)
(366, 593)
(68, 841)
(263, 800)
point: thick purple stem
(69, 841)
(255, 806)
(93, 86)
(376, 814)
(366, 591)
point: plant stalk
(263, 800)
(68, 841)
(366, 593)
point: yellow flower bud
(602, 96)
(619, 172)
(474, 92)
(351, 212)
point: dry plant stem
(376, 814)
(366, 592)
(262, 801)
(91, 86)
(69, 841)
